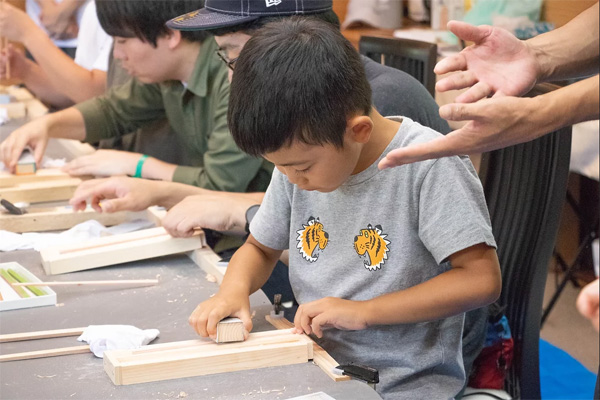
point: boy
(389, 259)
(177, 76)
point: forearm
(249, 268)
(571, 50)
(37, 82)
(66, 124)
(61, 73)
(452, 292)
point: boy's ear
(173, 38)
(360, 128)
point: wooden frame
(37, 192)
(204, 357)
(133, 246)
(42, 175)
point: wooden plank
(16, 337)
(208, 260)
(35, 192)
(320, 356)
(201, 357)
(43, 174)
(45, 353)
(117, 249)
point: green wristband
(140, 164)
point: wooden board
(36, 192)
(117, 249)
(320, 356)
(203, 357)
(61, 218)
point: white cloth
(33, 10)
(116, 337)
(92, 229)
(94, 45)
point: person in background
(53, 76)
(500, 66)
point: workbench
(165, 307)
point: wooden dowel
(136, 282)
(45, 353)
(16, 337)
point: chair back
(525, 186)
(414, 57)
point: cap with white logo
(224, 13)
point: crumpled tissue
(116, 337)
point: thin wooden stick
(45, 353)
(137, 282)
(16, 337)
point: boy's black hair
(250, 27)
(145, 19)
(296, 79)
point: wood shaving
(182, 394)
(210, 278)
(59, 304)
(45, 376)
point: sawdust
(45, 376)
(210, 278)
(182, 395)
(59, 304)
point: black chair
(525, 186)
(411, 56)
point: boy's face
(231, 45)
(323, 168)
(147, 63)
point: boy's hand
(205, 317)
(33, 134)
(104, 163)
(330, 312)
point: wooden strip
(178, 360)
(10, 280)
(36, 192)
(20, 279)
(207, 260)
(130, 282)
(16, 337)
(61, 218)
(42, 175)
(320, 356)
(116, 249)
(45, 353)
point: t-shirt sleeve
(453, 214)
(271, 224)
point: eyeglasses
(227, 61)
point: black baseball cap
(224, 13)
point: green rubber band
(140, 164)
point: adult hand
(220, 211)
(115, 194)
(328, 312)
(205, 317)
(34, 134)
(588, 303)
(58, 20)
(15, 24)
(497, 64)
(104, 163)
(493, 124)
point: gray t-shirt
(381, 232)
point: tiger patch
(312, 239)
(372, 245)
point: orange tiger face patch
(372, 244)
(311, 239)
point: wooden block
(320, 357)
(202, 357)
(111, 250)
(37, 192)
(230, 330)
(25, 168)
(61, 218)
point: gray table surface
(165, 307)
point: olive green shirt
(198, 115)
